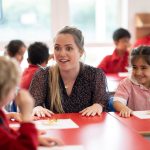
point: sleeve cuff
(122, 100)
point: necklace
(69, 84)
(66, 86)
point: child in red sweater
(38, 56)
(118, 61)
(26, 138)
(143, 41)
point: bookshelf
(142, 25)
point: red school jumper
(23, 139)
(114, 63)
(27, 76)
(143, 41)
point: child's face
(10, 96)
(20, 54)
(123, 44)
(141, 72)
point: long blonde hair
(55, 90)
(55, 94)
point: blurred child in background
(118, 61)
(143, 41)
(38, 56)
(16, 49)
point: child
(143, 41)
(133, 93)
(118, 61)
(38, 56)
(26, 137)
(16, 49)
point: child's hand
(95, 109)
(39, 111)
(14, 115)
(49, 142)
(125, 112)
(25, 103)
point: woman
(69, 86)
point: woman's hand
(125, 112)
(95, 109)
(41, 112)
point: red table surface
(99, 133)
(141, 126)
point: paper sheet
(72, 147)
(142, 114)
(51, 124)
(55, 124)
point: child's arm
(124, 110)
(26, 138)
(25, 103)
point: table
(95, 133)
(141, 126)
(113, 80)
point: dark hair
(121, 33)
(38, 53)
(141, 52)
(77, 35)
(13, 47)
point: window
(96, 18)
(32, 20)
(25, 19)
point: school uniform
(132, 94)
(114, 63)
(143, 41)
(27, 76)
(23, 139)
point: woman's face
(66, 52)
(19, 55)
(141, 72)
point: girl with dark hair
(133, 94)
